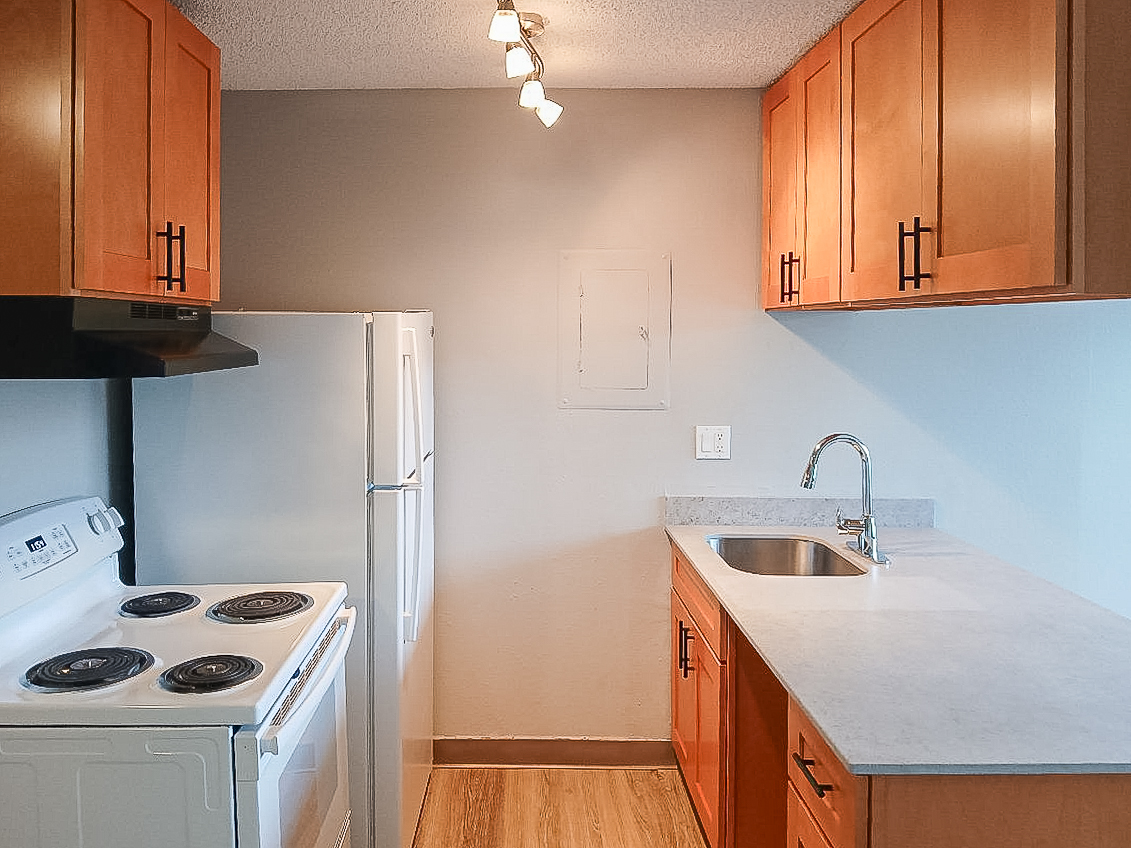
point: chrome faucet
(865, 526)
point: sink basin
(783, 556)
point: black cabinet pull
(684, 652)
(794, 291)
(820, 788)
(788, 290)
(181, 278)
(170, 278)
(917, 274)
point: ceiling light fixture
(518, 60)
(522, 59)
(505, 25)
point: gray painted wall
(53, 441)
(552, 568)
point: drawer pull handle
(803, 764)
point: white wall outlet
(712, 442)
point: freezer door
(401, 415)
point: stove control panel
(44, 549)
(52, 544)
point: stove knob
(104, 521)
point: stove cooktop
(254, 659)
(81, 649)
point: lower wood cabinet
(756, 749)
(801, 830)
(699, 697)
(761, 775)
(835, 799)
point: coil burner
(158, 604)
(260, 606)
(90, 668)
(211, 673)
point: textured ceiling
(290, 44)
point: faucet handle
(848, 525)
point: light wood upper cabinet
(801, 164)
(117, 134)
(992, 157)
(983, 153)
(883, 121)
(779, 194)
(192, 150)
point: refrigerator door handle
(412, 611)
(370, 488)
(412, 362)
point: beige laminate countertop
(949, 662)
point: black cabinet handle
(170, 278)
(684, 652)
(181, 278)
(788, 290)
(820, 788)
(917, 274)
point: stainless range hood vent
(80, 337)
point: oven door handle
(313, 681)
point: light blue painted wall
(1023, 415)
(53, 441)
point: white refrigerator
(314, 465)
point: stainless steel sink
(783, 556)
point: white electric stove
(203, 715)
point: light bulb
(505, 26)
(532, 94)
(548, 111)
(519, 63)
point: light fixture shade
(505, 26)
(532, 94)
(548, 112)
(519, 63)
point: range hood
(81, 337)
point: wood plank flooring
(557, 808)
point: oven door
(292, 789)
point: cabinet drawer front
(836, 798)
(703, 606)
(802, 831)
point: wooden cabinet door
(708, 785)
(779, 194)
(992, 147)
(119, 165)
(698, 729)
(883, 54)
(816, 85)
(192, 154)
(683, 694)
